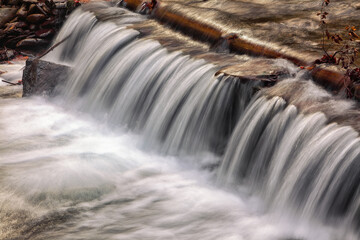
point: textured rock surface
(6, 14)
(267, 70)
(40, 77)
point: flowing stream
(146, 143)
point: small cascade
(297, 152)
(172, 98)
(296, 160)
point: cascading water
(68, 176)
(296, 160)
(171, 97)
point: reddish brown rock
(36, 18)
(51, 22)
(44, 33)
(31, 42)
(48, 23)
(11, 43)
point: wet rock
(12, 42)
(31, 42)
(22, 12)
(51, 22)
(36, 18)
(44, 33)
(48, 23)
(41, 77)
(6, 14)
(266, 70)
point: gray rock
(41, 77)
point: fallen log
(196, 30)
(331, 80)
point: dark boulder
(41, 77)
(36, 18)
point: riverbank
(11, 72)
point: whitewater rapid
(68, 176)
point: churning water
(143, 143)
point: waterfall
(293, 156)
(295, 159)
(128, 81)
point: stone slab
(256, 69)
